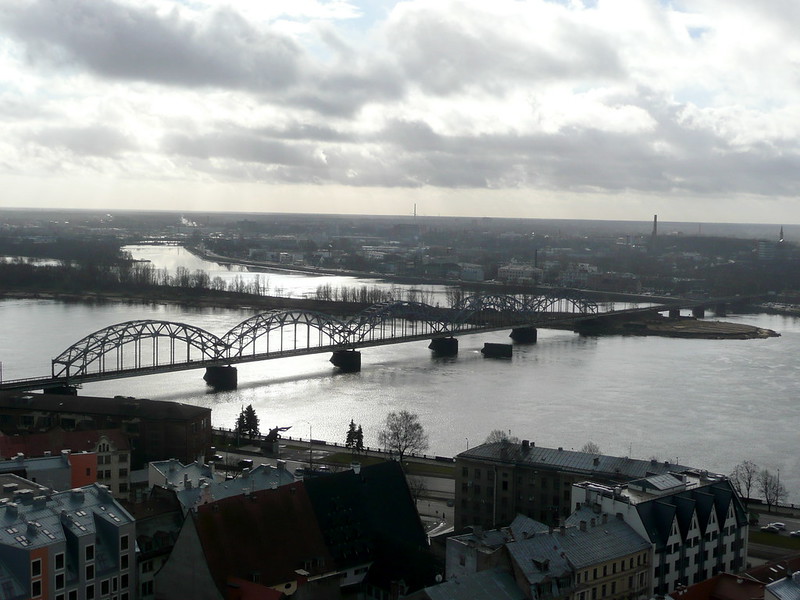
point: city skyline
(611, 110)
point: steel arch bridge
(150, 346)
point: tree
(350, 440)
(590, 448)
(744, 478)
(417, 487)
(251, 422)
(499, 435)
(771, 489)
(403, 433)
(359, 439)
(241, 424)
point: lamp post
(310, 448)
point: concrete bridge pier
(674, 313)
(221, 378)
(721, 310)
(349, 361)
(444, 346)
(64, 390)
(524, 335)
(698, 312)
(491, 350)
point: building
(73, 545)
(591, 557)
(109, 445)
(155, 429)
(310, 539)
(61, 472)
(519, 273)
(695, 522)
(195, 484)
(496, 481)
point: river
(706, 403)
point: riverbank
(685, 327)
(182, 297)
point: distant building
(471, 272)
(496, 481)
(519, 273)
(73, 545)
(695, 522)
(155, 429)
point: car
(780, 526)
(246, 463)
(299, 472)
(795, 533)
(770, 529)
(216, 458)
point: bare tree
(403, 433)
(499, 435)
(771, 489)
(590, 448)
(744, 478)
(417, 487)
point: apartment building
(497, 481)
(73, 545)
(694, 521)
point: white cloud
(695, 98)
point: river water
(706, 403)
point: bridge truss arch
(244, 339)
(137, 345)
(526, 306)
(388, 320)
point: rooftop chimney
(583, 525)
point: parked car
(795, 533)
(246, 463)
(780, 526)
(770, 529)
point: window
(88, 471)
(147, 588)
(90, 552)
(464, 471)
(59, 561)
(73, 595)
(123, 487)
(89, 572)
(123, 542)
(104, 587)
(123, 562)
(477, 473)
(36, 568)
(90, 592)
(123, 581)
(123, 472)
(36, 588)
(60, 581)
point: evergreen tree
(350, 441)
(251, 421)
(359, 439)
(241, 424)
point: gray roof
(787, 588)
(582, 463)
(554, 555)
(661, 483)
(485, 585)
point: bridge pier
(524, 335)
(63, 390)
(444, 346)
(349, 361)
(490, 350)
(698, 312)
(721, 310)
(674, 313)
(221, 378)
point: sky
(606, 109)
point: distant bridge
(144, 347)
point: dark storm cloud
(124, 42)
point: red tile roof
(56, 440)
(266, 535)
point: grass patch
(773, 539)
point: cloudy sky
(615, 109)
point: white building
(695, 522)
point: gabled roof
(594, 466)
(271, 533)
